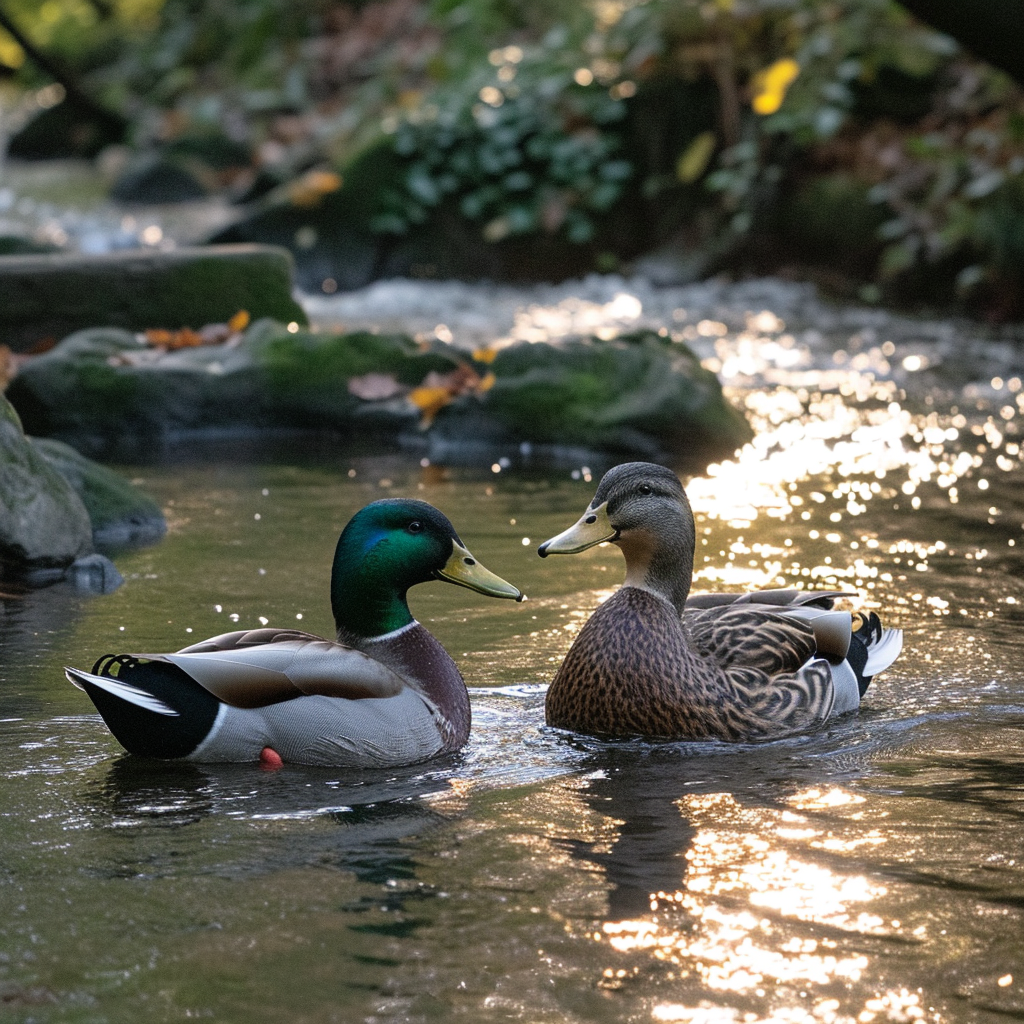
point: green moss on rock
(43, 522)
(637, 392)
(120, 513)
(641, 394)
(50, 296)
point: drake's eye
(646, 489)
(415, 526)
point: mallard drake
(384, 693)
(746, 667)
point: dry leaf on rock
(374, 387)
(211, 334)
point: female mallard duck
(648, 662)
(385, 693)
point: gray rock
(43, 522)
(155, 178)
(94, 574)
(121, 515)
(640, 393)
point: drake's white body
(375, 732)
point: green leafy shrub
(530, 143)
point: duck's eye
(415, 526)
(646, 489)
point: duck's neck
(660, 560)
(366, 599)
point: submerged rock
(639, 394)
(92, 574)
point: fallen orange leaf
(430, 401)
(239, 321)
(308, 190)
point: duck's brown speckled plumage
(633, 670)
(737, 668)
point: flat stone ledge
(45, 297)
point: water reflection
(359, 822)
(740, 886)
(32, 625)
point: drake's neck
(364, 605)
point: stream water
(873, 871)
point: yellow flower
(771, 84)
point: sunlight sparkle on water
(738, 923)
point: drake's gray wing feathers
(247, 638)
(269, 673)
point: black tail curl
(145, 732)
(867, 633)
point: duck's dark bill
(593, 528)
(463, 569)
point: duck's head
(388, 547)
(642, 508)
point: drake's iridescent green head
(388, 547)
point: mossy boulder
(121, 515)
(639, 394)
(65, 131)
(55, 505)
(50, 296)
(328, 223)
(102, 383)
(43, 522)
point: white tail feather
(883, 653)
(132, 694)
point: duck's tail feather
(125, 691)
(884, 652)
(152, 707)
(873, 649)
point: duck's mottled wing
(788, 703)
(783, 597)
(752, 637)
(252, 676)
